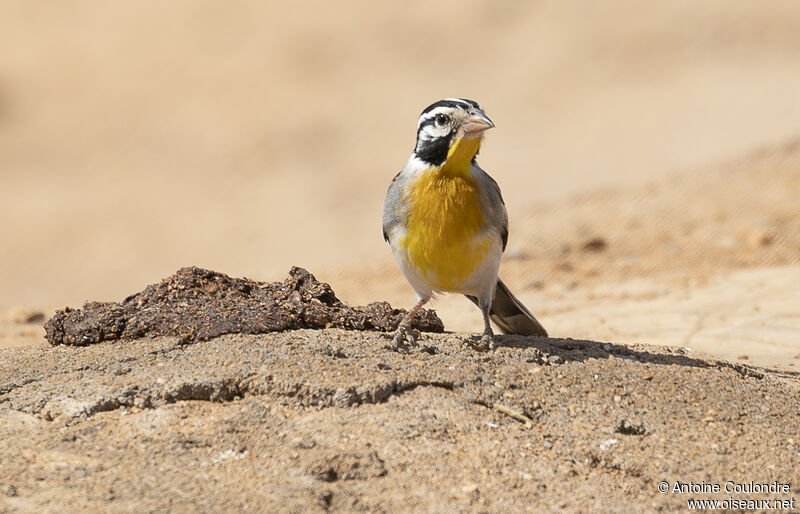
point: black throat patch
(433, 152)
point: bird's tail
(510, 315)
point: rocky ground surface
(317, 420)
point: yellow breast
(445, 222)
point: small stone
(628, 427)
(743, 357)
(595, 244)
(535, 284)
(605, 445)
(324, 499)
(758, 237)
(565, 266)
(469, 488)
(306, 444)
(25, 315)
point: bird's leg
(405, 324)
(488, 334)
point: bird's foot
(483, 343)
(487, 340)
(403, 339)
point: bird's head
(449, 132)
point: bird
(446, 221)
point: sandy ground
(321, 420)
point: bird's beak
(477, 123)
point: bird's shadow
(579, 350)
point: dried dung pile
(197, 304)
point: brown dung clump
(197, 304)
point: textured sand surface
(320, 420)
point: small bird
(447, 224)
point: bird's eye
(441, 120)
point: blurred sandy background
(647, 153)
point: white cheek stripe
(430, 114)
(429, 133)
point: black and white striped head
(443, 123)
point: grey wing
(493, 204)
(393, 212)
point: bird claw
(483, 344)
(403, 339)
